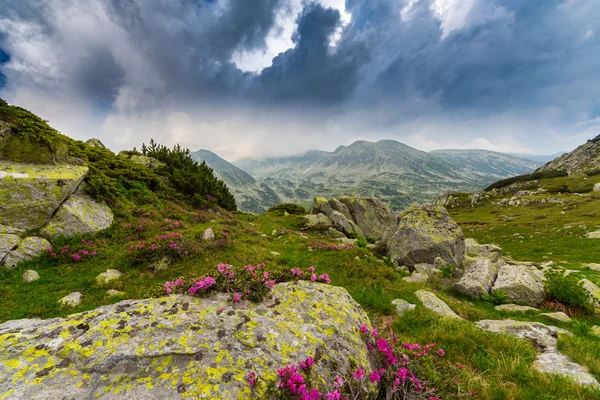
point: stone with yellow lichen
(183, 347)
(421, 234)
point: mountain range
(392, 171)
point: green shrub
(568, 291)
(362, 242)
(496, 297)
(447, 271)
(593, 172)
(290, 208)
(527, 177)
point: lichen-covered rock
(208, 235)
(30, 276)
(416, 277)
(345, 225)
(544, 337)
(474, 249)
(320, 205)
(423, 233)
(148, 162)
(593, 290)
(557, 316)
(30, 193)
(78, 215)
(317, 221)
(373, 216)
(183, 347)
(71, 300)
(435, 304)
(478, 277)
(28, 249)
(337, 205)
(114, 293)
(108, 276)
(10, 230)
(402, 306)
(593, 235)
(426, 269)
(334, 233)
(515, 308)
(522, 284)
(93, 142)
(8, 243)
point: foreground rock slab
(28, 249)
(544, 337)
(522, 284)
(515, 308)
(180, 346)
(435, 304)
(30, 276)
(402, 306)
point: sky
(262, 78)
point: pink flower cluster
(169, 286)
(226, 269)
(201, 284)
(67, 252)
(329, 246)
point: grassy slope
(497, 367)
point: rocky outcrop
(423, 233)
(584, 158)
(30, 194)
(317, 222)
(148, 162)
(489, 251)
(27, 249)
(402, 306)
(78, 215)
(7, 244)
(361, 216)
(478, 278)
(183, 347)
(593, 290)
(544, 338)
(521, 284)
(435, 304)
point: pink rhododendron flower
(251, 379)
(237, 297)
(441, 352)
(76, 257)
(359, 374)
(308, 364)
(335, 395)
(338, 382)
(296, 271)
(311, 269)
(313, 277)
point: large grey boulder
(8, 243)
(478, 277)
(522, 284)
(337, 205)
(320, 205)
(28, 249)
(373, 216)
(348, 227)
(31, 193)
(183, 347)
(544, 338)
(78, 215)
(317, 221)
(423, 233)
(435, 304)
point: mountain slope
(250, 195)
(486, 165)
(581, 160)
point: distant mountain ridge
(541, 158)
(584, 158)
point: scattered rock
(426, 269)
(203, 345)
(435, 304)
(592, 266)
(423, 233)
(114, 293)
(30, 276)
(78, 215)
(8, 242)
(593, 290)
(275, 253)
(478, 277)
(264, 236)
(596, 187)
(596, 330)
(544, 338)
(108, 276)
(28, 249)
(557, 316)
(402, 306)
(521, 284)
(208, 235)
(416, 277)
(515, 308)
(70, 300)
(274, 232)
(490, 251)
(402, 268)
(593, 235)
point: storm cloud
(496, 74)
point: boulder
(557, 316)
(544, 338)
(596, 187)
(337, 205)
(71, 300)
(515, 308)
(7, 243)
(593, 235)
(426, 269)
(402, 306)
(208, 235)
(435, 304)
(148, 162)
(522, 284)
(341, 223)
(320, 205)
(474, 249)
(30, 194)
(478, 277)
(93, 142)
(416, 277)
(371, 215)
(184, 347)
(108, 276)
(30, 276)
(317, 221)
(334, 233)
(593, 290)
(423, 233)
(28, 249)
(78, 215)
(114, 293)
